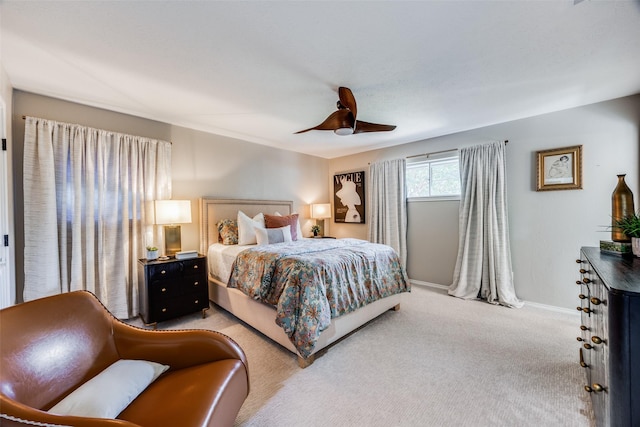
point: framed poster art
(559, 169)
(348, 197)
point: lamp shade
(173, 211)
(321, 210)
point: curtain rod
(432, 153)
(506, 141)
(170, 142)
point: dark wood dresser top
(617, 272)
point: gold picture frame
(559, 169)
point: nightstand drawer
(170, 270)
(177, 286)
(179, 306)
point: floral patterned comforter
(311, 281)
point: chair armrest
(16, 414)
(176, 348)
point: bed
(230, 285)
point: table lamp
(170, 213)
(320, 211)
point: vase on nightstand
(621, 207)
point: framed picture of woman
(559, 169)
(348, 197)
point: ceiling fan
(343, 121)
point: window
(434, 178)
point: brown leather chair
(50, 346)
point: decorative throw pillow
(110, 392)
(267, 236)
(246, 230)
(298, 229)
(227, 231)
(277, 221)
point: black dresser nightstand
(172, 288)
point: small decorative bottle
(621, 207)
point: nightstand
(172, 288)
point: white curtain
(88, 210)
(483, 268)
(387, 214)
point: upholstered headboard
(213, 210)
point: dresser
(172, 288)
(610, 335)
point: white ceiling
(262, 70)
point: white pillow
(298, 228)
(267, 236)
(110, 392)
(246, 230)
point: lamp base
(172, 239)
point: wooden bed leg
(306, 362)
(396, 307)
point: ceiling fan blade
(348, 100)
(362, 127)
(336, 120)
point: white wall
(6, 95)
(547, 228)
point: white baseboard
(528, 303)
(428, 284)
(573, 312)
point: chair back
(51, 345)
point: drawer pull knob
(586, 280)
(196, 283)
(596, 340)
(597, 387)
(582, 362)
(582, 270)
(195, 266)
(163, 272)
(164, 289)
(164, 310)
(579, 261)
(582, 296)
(587, 346)
(196, 301)
(596, 301)
(583, 328)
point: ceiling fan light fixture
(343, 121)
(344, 131)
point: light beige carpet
(439, 361)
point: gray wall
(202, 164)
(547, 228)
